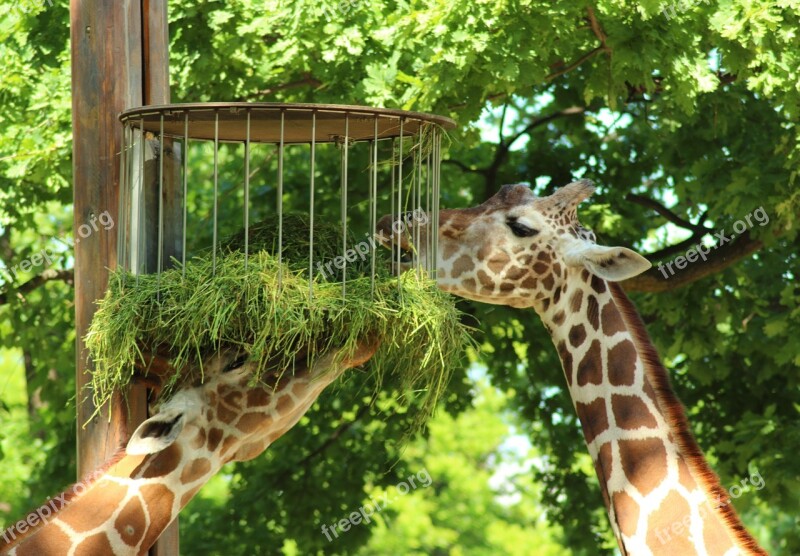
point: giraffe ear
(156, 433)
(609, 263)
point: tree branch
(464, 167)
(49, 275)
(660, 279)
(666, 213)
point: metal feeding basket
(194, 174)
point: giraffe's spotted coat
(645, 478)
(224, 419)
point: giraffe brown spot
(666, 527)
(461, 265)
(187, 496)
(611, 319)
(54, 542)
(631, 413)
(590, 370)
(556, 296)
(507, 286)
(130, 523)
(98, 499)
(548, 282)
(585, 276)
(498, 262)
(627, 512)
(285, 403)
(575, 301)
(593, 311)
(557, 269)
(93, 545)
(566, 359)
(485, 280)
(594, 419)
(258, 397)
(225, 414)
(622, 364)
(162, 463)
(540, 268)
(199, 439)
(515, 273)
(603, 466)
(598, 284)
(644, 463)
(650, 392)
(450, 249)
(544, 256)
(158, 505)
(529, 282)
(227, 445)
(469, 283)
(485, 251)
(214, 438)
(250, 422)
(558, 318)
(195, 470)
(233, 398)
(577, 334)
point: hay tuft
(191, 315)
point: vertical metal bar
(247, 191)
(216, 187)
(185, 184)
(373, 203)
(160, 204)
(311, 206)
(121, 203)
(400, 199)
(280, 200)
(141, 232)
(344, 199)
(392, 198)
(418, 204)
(437, 145)
(428, 215)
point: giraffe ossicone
(525, 251)
(126, 505)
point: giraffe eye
(521, 230)
(236, 364)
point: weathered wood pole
(120, 60)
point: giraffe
(516, 249)
(124, 506)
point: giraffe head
(227, 414)
(518, 249)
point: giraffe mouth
(396, 241)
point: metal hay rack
(193, 174)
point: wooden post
(120, 53)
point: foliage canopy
(686, 115)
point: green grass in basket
(422, 338)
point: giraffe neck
(125, 509)
(661, 495)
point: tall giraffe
(122, 508)
(515, 249)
